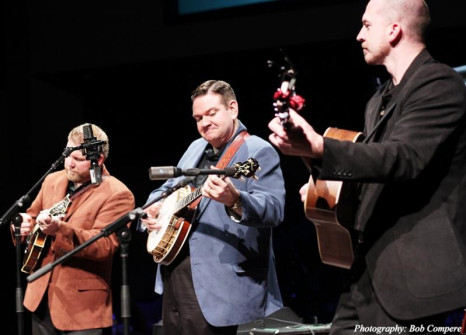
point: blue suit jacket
(232, 262)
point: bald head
(414, 16)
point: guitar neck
(285, 121)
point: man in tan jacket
(69, 210)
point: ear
(101, 160)
(233, 108)
(395, 33)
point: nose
(360, 37)
(206, 121)
(69, 162)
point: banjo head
(159, 241)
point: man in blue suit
(224, 274)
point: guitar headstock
(285, 96)
(246, 169)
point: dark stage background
(130, 68)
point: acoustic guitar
(329, 205)
(36, 241)
(176, 213)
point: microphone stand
(12, 215)
(124, 236)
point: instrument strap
(227, 156)
(79, 190)
(234, 146)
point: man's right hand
(151, 222)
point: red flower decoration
(296, 102)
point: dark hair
(215, 86)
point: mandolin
(36, 240)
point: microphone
(167, 172)
(89, 145)
(92, 149)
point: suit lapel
(82, 195)
(79, 198)
(56, 190)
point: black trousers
(42, 323)
(181, 313)
(359, 312)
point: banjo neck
(189, 199)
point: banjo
(176, 212)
